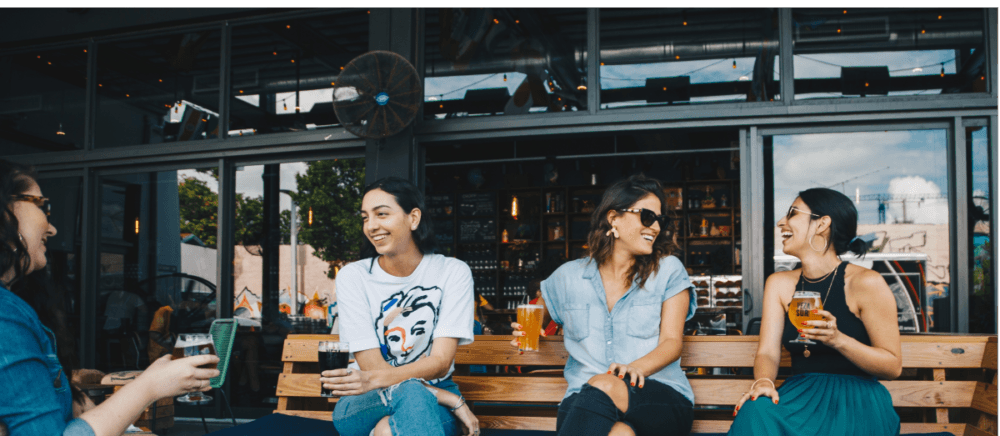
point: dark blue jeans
(411, 408)
(652, 410)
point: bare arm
(672, 316)
(772, 325)
(877, 306)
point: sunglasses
(648, 217)
(42, 202)
(793, 210)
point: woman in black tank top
(834, 388)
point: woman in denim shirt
(623, 309)
(35, 397)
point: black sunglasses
(648, 217)
(793, 210)
(42, 202)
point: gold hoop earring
(814, 248)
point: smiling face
(34, 227)
(798, 226)
(386, 225)
(634, 237)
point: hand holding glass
(332, 355)
(801, 310)
(194, 344)
(530, 318)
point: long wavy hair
(15, 179)
(622, 195)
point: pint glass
(530, 318)
(332, 355)
(194, 344)
(800, 310)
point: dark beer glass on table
(194, 344)
(332, 355)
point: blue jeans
(411, 408)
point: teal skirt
(821, 404)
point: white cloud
(250, 183)
(198, 175)
(926, 211)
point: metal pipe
(582, 156)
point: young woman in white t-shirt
(404, 311)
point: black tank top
(823, 358)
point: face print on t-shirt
(406, 322)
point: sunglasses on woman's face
(41, 202)
(648, 217)
(793, 210)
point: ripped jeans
(411, 408)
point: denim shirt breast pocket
(576, 321)
(644, 320)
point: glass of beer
(332, 355)
(530, 318)
(194, 344)
(801, 309)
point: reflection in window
(982, 302)
(157, 264)
(490, 61)
(871, 52)
(42, 100)
(158, 89)
(284, 71)
(296, 224)
(686, 56)
(900, 189)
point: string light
(60, 131)
(39, 56)
(333, 83)
(677, 57)
(581, 88)
(734, 64)
(496, 21)
(288, 26)
(100, 85)
(274, 53)
(923, 30)
(50, 62)
(137, 226)
(241, 91)
(341, 68)
(504, 77)
(838, 30)
(517, 21)
(293, 61)
(168, 106)
(845, 11)
(310, 216)
(161, 80)
(126, 95)
(942, 69)
(84, 50)
(284, 104)
(602, 64)
(939, 17)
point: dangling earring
(614, 230)
(814, 248)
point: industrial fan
(377, 95)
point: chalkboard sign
(477, 204)
(477, 231)
(440, 205)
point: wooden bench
(949, 382)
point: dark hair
(409, 198)
(622, 195)
(15, 179)
(843, 218)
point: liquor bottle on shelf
(704, 227)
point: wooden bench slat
(985, 398)
(298, 385)
(500, 389)
(325, 416)
(990, 355)
(946, 352)
(538, 423)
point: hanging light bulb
(284, 104)
(734, 64)
(504, 77)
(923, 30)
(513, 207)
(137, 225)
(60, 132)
(942, 69)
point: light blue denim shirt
(574, 296)
(35, 397)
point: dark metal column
(89, 268)
(785, 59)
(593, 60)
(90, 99)
(752, 196)
(271, 241)
(225, 71)
(393, 29)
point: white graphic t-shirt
(402, 316)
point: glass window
(41, 101)
(871, 52)
(283, 72)
(157, 264)
(687, 56)
(301, 214)
(63, 253)
(489, 61)
(158, 89)
(899, 186)
(982, 302)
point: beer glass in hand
(194, 344)
(530, 318)
(332, 355)
(801, 310)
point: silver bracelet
(461, 402)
